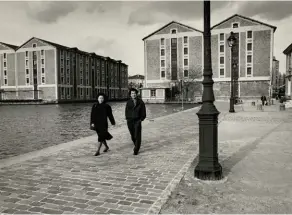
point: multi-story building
(7, 69)
(276, 77)
(288, 82)
(174, 53)
(47, 71)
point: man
(135, 113)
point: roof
(66, 48)
(172, 22)
(288, 50)
(247, 18)
(136, 77)
(10, 46)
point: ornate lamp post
(208, 167)
(231, 42)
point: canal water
(25, 128)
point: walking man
(135, 113)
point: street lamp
(231, 42)
(208, 167)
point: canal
(25, 128)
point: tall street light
(231, 43)
(208, 167)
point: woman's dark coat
(99, 115)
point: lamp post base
(212, 172)
(231, 109)
(208, 167)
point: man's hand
(92, 125)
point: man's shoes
(106, 149)
(135, 153)
(97, 153)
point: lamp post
(231, 42)
(208, 167)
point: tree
(191, 81)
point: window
(27, 80)
(87, 81)
(173, 40)
(221, 37)
(153, 93)
(67, 62)
(186, 73)
(26, 54)
(5, 81)
(81, 92)
(4, 56)
(248, 58)
(173, 31)
(43, 80)
(68, 80)
(42, 52)
(186, 62)
(43, 61)
(62, 80)
(249, 47)
(221, 48)
(221, 72)
(162, 63)
(162, 74)
(68, 71)
(68, 92)
(4, 64)
(87, 92)
(162, 52)
(27, 71)
(62, 71)
(249, 34)
(5, 72)
(34, 45)
(235, 25)
(43, 70)
(248, 71)
(185, 51)
(26, 63)
(221, 60)
(185, 39)
(81, 81)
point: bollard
(282, 107)
(259, 107)
(252, 103)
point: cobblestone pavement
(72, 180)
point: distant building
(174, 53)
(276, 76)
(288, 82)
(43, 70)
(136, 81)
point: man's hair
(133, 89)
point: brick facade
(255, 52)
(63, 73)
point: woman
(98, 121)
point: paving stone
(114, 211)
(82, 206)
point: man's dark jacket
(137, 112)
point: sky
(116, 28)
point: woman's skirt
(102, 136)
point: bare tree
(191, 81)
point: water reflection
(27, 128)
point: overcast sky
(116, 29)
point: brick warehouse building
(42, 70)
(175, 52)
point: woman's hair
(103, 95)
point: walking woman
(98, 121)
